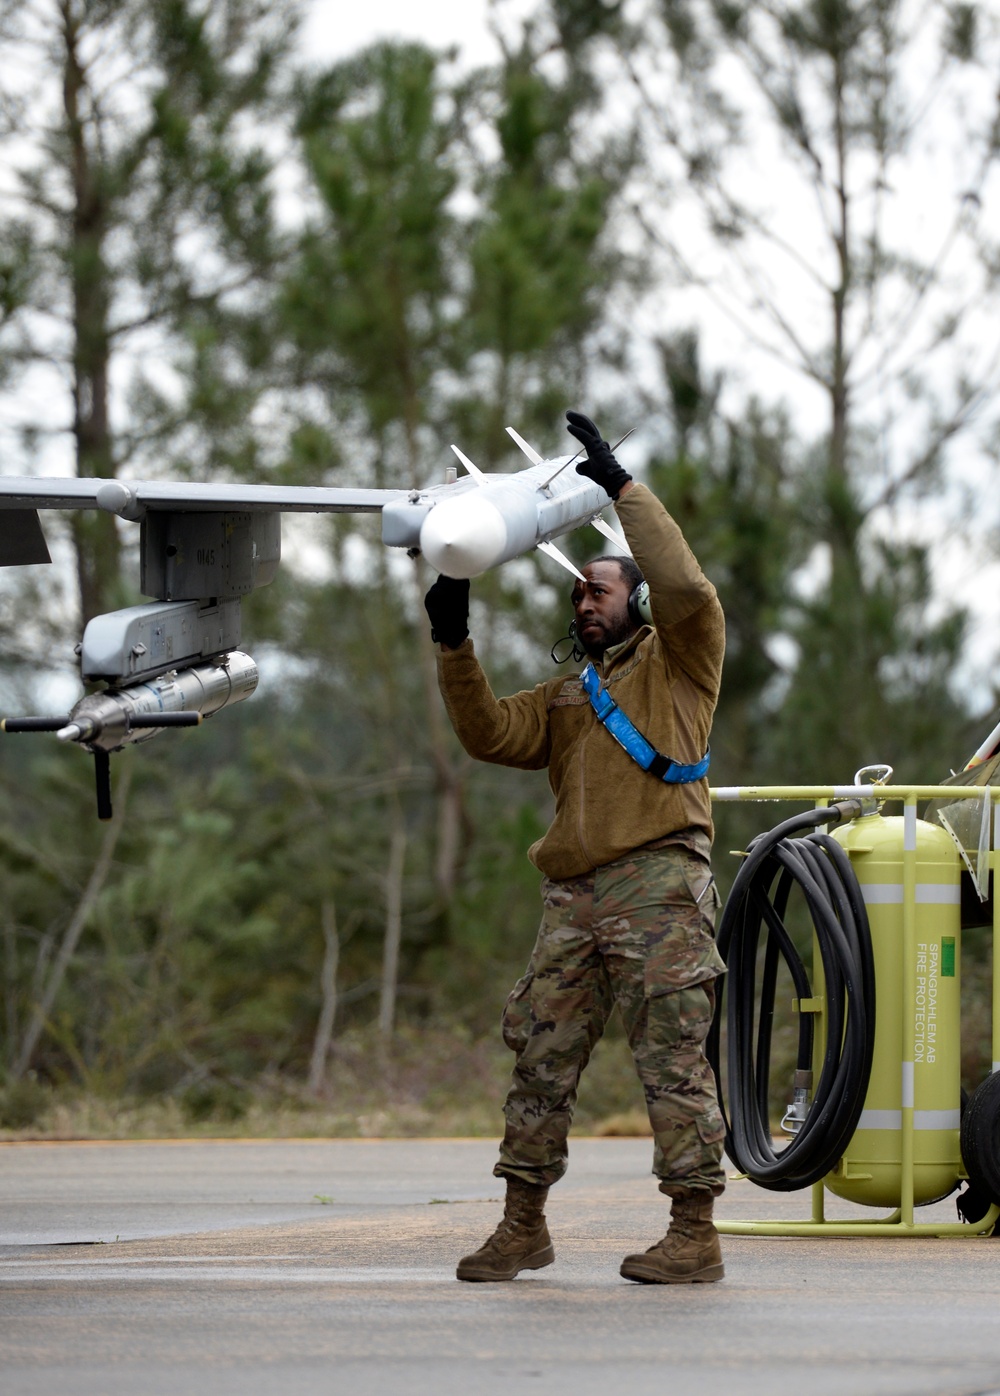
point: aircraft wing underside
(21, 496)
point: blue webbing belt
(631, 739)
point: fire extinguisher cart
(905, 1150)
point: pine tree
(142, 235)
(438, 294)
(782, 143)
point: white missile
(465, 534)
(467, 526)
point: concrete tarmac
(302, 1267)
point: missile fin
(522, 445)
(617, 538)
(550, 550)
(579, 453)
(473, 470)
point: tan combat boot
(520, 1242)
(690, 1251)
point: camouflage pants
(637, 933)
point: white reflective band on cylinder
(937, 1119)
(907, 1085)
(922, 1119)
(881, 1119)
(927, 893)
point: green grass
(431, 1083)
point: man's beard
(616, 633)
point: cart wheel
(980, 1140)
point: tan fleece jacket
(666, 679)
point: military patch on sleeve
(572, 694)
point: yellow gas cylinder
(917, 1034)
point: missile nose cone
(464, 537)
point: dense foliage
(323, 877)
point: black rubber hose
(775, 865)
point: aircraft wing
(132, 498)
(21, 496)
(203, 547)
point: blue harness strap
(631, 739)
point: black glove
(600, 464)
(447, 604)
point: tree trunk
(328, 987)
(11, 1024)
(75, 929)
(95, 535)
(393, 927)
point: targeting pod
(118, 716)
(105, 722)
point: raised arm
(686, 610)
(507, 731)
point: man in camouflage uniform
(629, 899)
